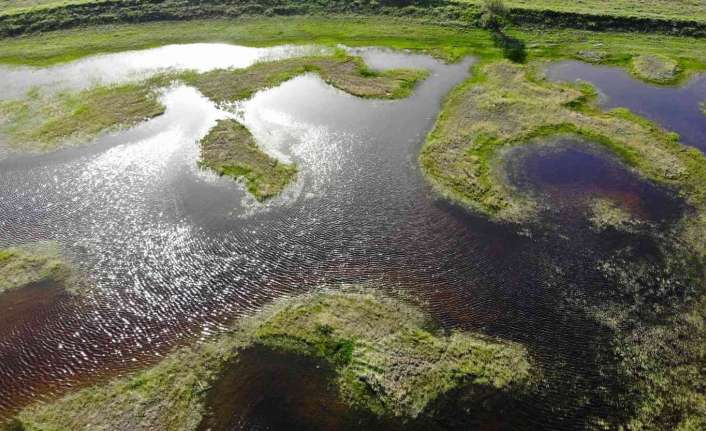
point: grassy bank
(687, 19)
(41, 123)
(686, 10)
(31, 264)
(341, 71)
(447, 42)
(387, 356)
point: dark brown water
(173, 253)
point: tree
(494, 15)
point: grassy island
(389, 359)
(230, 149)
(31, 264)
(657, 69)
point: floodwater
(172, 254)
(677, 109)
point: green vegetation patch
(388, 359)
(592, 55)
(341, 71)
(680, 9)
(655, 68)
(32, 263)
(506, 104)
(230, 149)
(41, 123)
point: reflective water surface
(173, 253)
(676, 108)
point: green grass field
(446, 42)
(13, 6)
(664, 9)
(674, 9)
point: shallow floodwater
(677, 109)
(173, 253)
(111, 68)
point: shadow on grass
(513, 49)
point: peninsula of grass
(507, 104)
(31, 264)
(657, 69)
(389, 359)
(229, 149)
(344, 72)
(41, 123)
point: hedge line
(441, 11)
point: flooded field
(173, 253)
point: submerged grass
(45, 122)
(607, 214)
(32, 263)
(388, 359)
(230, 149)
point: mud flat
(385, 357)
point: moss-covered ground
(658, 69)
(33, 263)
(230, 149)
(388, 356)
(41, 123)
